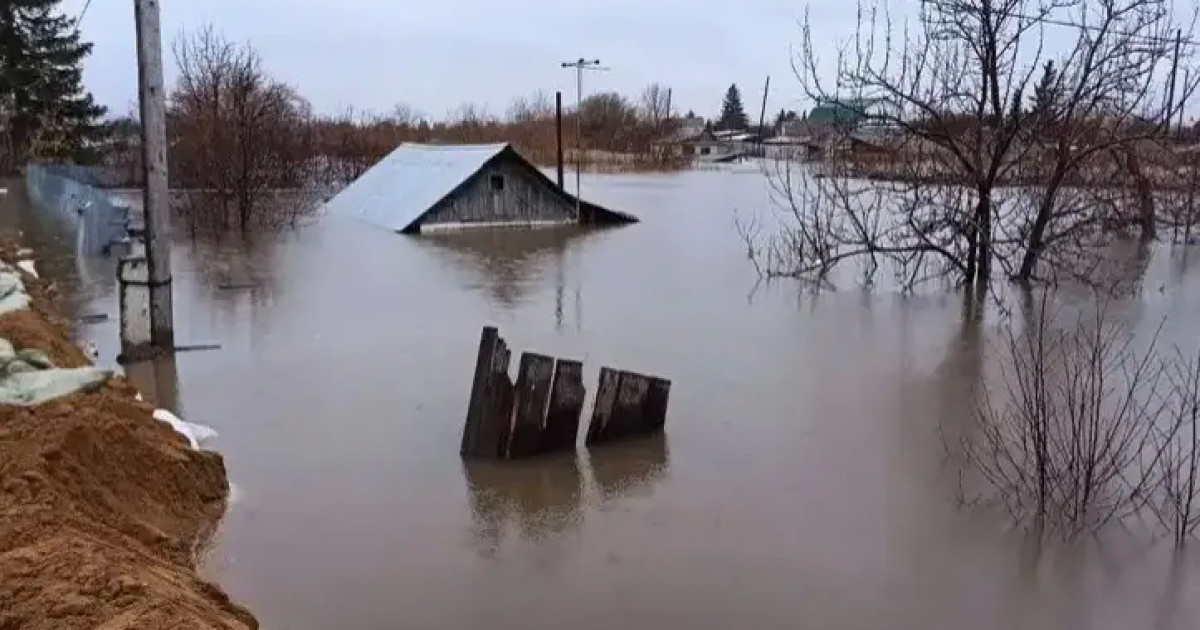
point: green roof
(841, 112)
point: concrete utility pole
(762, 115)
(580, 65)
(152, 99)
(558, 132)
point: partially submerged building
(423, 187)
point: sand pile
(102, 508)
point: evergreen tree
(1045, 93)
(49, 114)
(733, 115)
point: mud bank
(103, 509)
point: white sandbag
(196, 434)
(12, 291)
(29, 377)
(37, 387)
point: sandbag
(29, 377)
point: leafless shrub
(1072, 441)
(1178, 507)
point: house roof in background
(398, 191)
(410, 181)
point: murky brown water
(801, 481)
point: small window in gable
(497, 183)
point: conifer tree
(733, 115)
(48, 114)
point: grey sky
(436, 54)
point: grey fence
(70, 194)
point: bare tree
(238, 137)
(537, 108)
(1109, 101)
(942, 108)
(656, 104)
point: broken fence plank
(654, 414)
(498, 427)
(566, 407)
(606, 397)
(627, 410)
(532, 392)
(632, 405)
(489, 412)
(479, 390)
(541, 412)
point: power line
(1066, 23)
(83, 12)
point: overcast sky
(434, 55)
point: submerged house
(424, 187)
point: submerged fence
(69, 194)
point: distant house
(793, 148)
(422, 187)
(711, 146)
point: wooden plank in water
(489, 343)
(566, 406)
(497, 423)
(606, 397)
(627, 413)
(654, 413)
(532, 393)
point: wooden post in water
(627, 405)
(532, 393)
(654, 412)
(489, 411)
(606, 398)
(566, 406)
(540, 413)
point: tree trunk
(1145, 194)
(1037, 233)
(983, 221)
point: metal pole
(156, 194)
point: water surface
(802, 480)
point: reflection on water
(158, 381)
(544, 498)
(540, 499)
(630, 468)
(508, 264)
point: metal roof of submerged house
(414, 178)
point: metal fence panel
(69, 194)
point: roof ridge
(482, 145)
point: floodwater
(801, 483)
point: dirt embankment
(102, 508)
